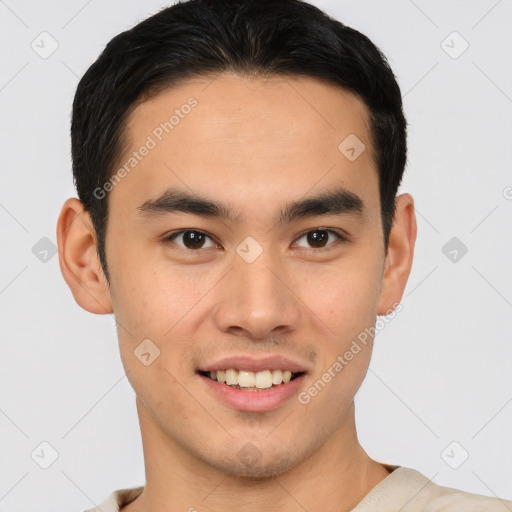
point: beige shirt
(404, 490)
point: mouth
(247, 380)
(253, 385)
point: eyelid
(170, 238)
(342, 238)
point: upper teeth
(247, 379)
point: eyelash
(172, 236)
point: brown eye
(191, 239)
(319, 238)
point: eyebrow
(338, 201)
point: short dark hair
(198, 38)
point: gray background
(440, 372)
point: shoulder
(408, 490)
(432, 497)
(117, 499)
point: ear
(79, 261)
(399, 255)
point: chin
(249, 464)
(255, 472)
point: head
(237, 166)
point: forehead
(230, 134)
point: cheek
(149, 298)
(149, 313)
(155, 304)
(344, 295)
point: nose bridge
(257, 299)
(258, 283)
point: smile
(251, 381)
(251, 398)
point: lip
(255, 365)
(254, 401)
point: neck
(334, 478)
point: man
(237, 165)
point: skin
(266, 143)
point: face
(245, 239)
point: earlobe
(400, 254)
(79, 261)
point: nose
(258, 300)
